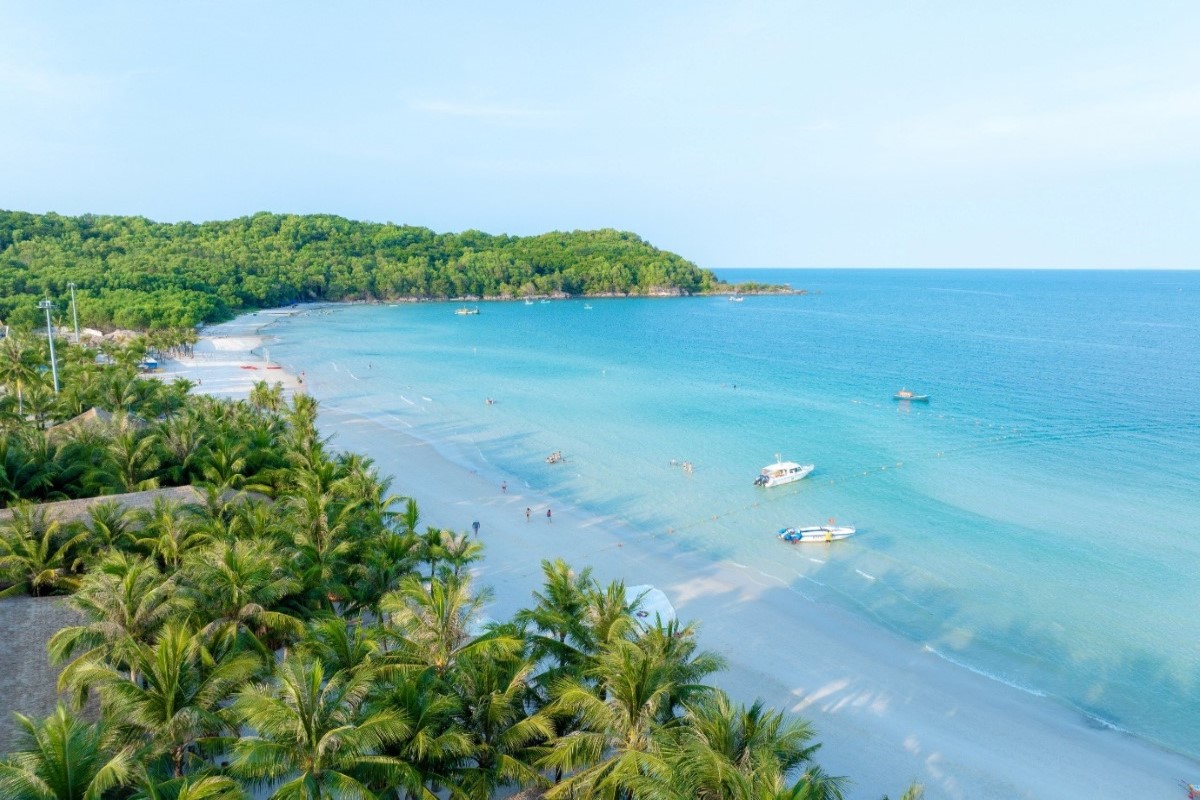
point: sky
(890, 133)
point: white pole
(74, 312)
(45, 305)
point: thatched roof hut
(27, 681)
(68, 511)
(95, 418)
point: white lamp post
(46, 305)
(74, 312)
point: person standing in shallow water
(547, 515)
(475, 525)
(527, 513)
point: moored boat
(905, 394)
(782, 472)
(467, 312)
(815, 533)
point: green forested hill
(131, 272)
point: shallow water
(1033, 522)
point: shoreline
(230, 362)
(886, 710)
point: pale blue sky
(892, 133)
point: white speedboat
(912, 397)
(816, 533)
(782, 472)
(467, 312)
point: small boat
(467, 312)
(782, 472)
(528, 302)
(815, 533)
(555, 458)
(905, 394)
(587, 307)
(736, 298)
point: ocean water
(1036, 522)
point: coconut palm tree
(175, 707)
(322, 526)
(237, 589)
(191, 787)
(108, 526)
(312, 733)
(22, 474)
(434, 748)
(430, 548)
(384, 561)
(618, 738)
(343, 646)
(63, 758)
(181, 438)
(18, 367)
(41, 402)
(608, 617)
(225, 462)
(39, 557)
(125, 601)
(118, 391)
(431, 623)
(676, 644)
(168, 533)
(131, 463)
(267, 397)
(559, 614)
(726, 751)
(460, 551)
(494, 697)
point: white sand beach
(228, 366)
(887, 711)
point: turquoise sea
(1036, 522)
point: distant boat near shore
(905, 394)
(467, 312)
(816, 533)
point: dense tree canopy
(131, 272)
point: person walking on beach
(475, 525)
(504, 487)
(547, 515)
(527, 513)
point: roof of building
(68, 511)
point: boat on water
(905, 394)
(782, 472)
(815, 533)
(736, 298)
(528, 302)
(467, 312)
(587, 306)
